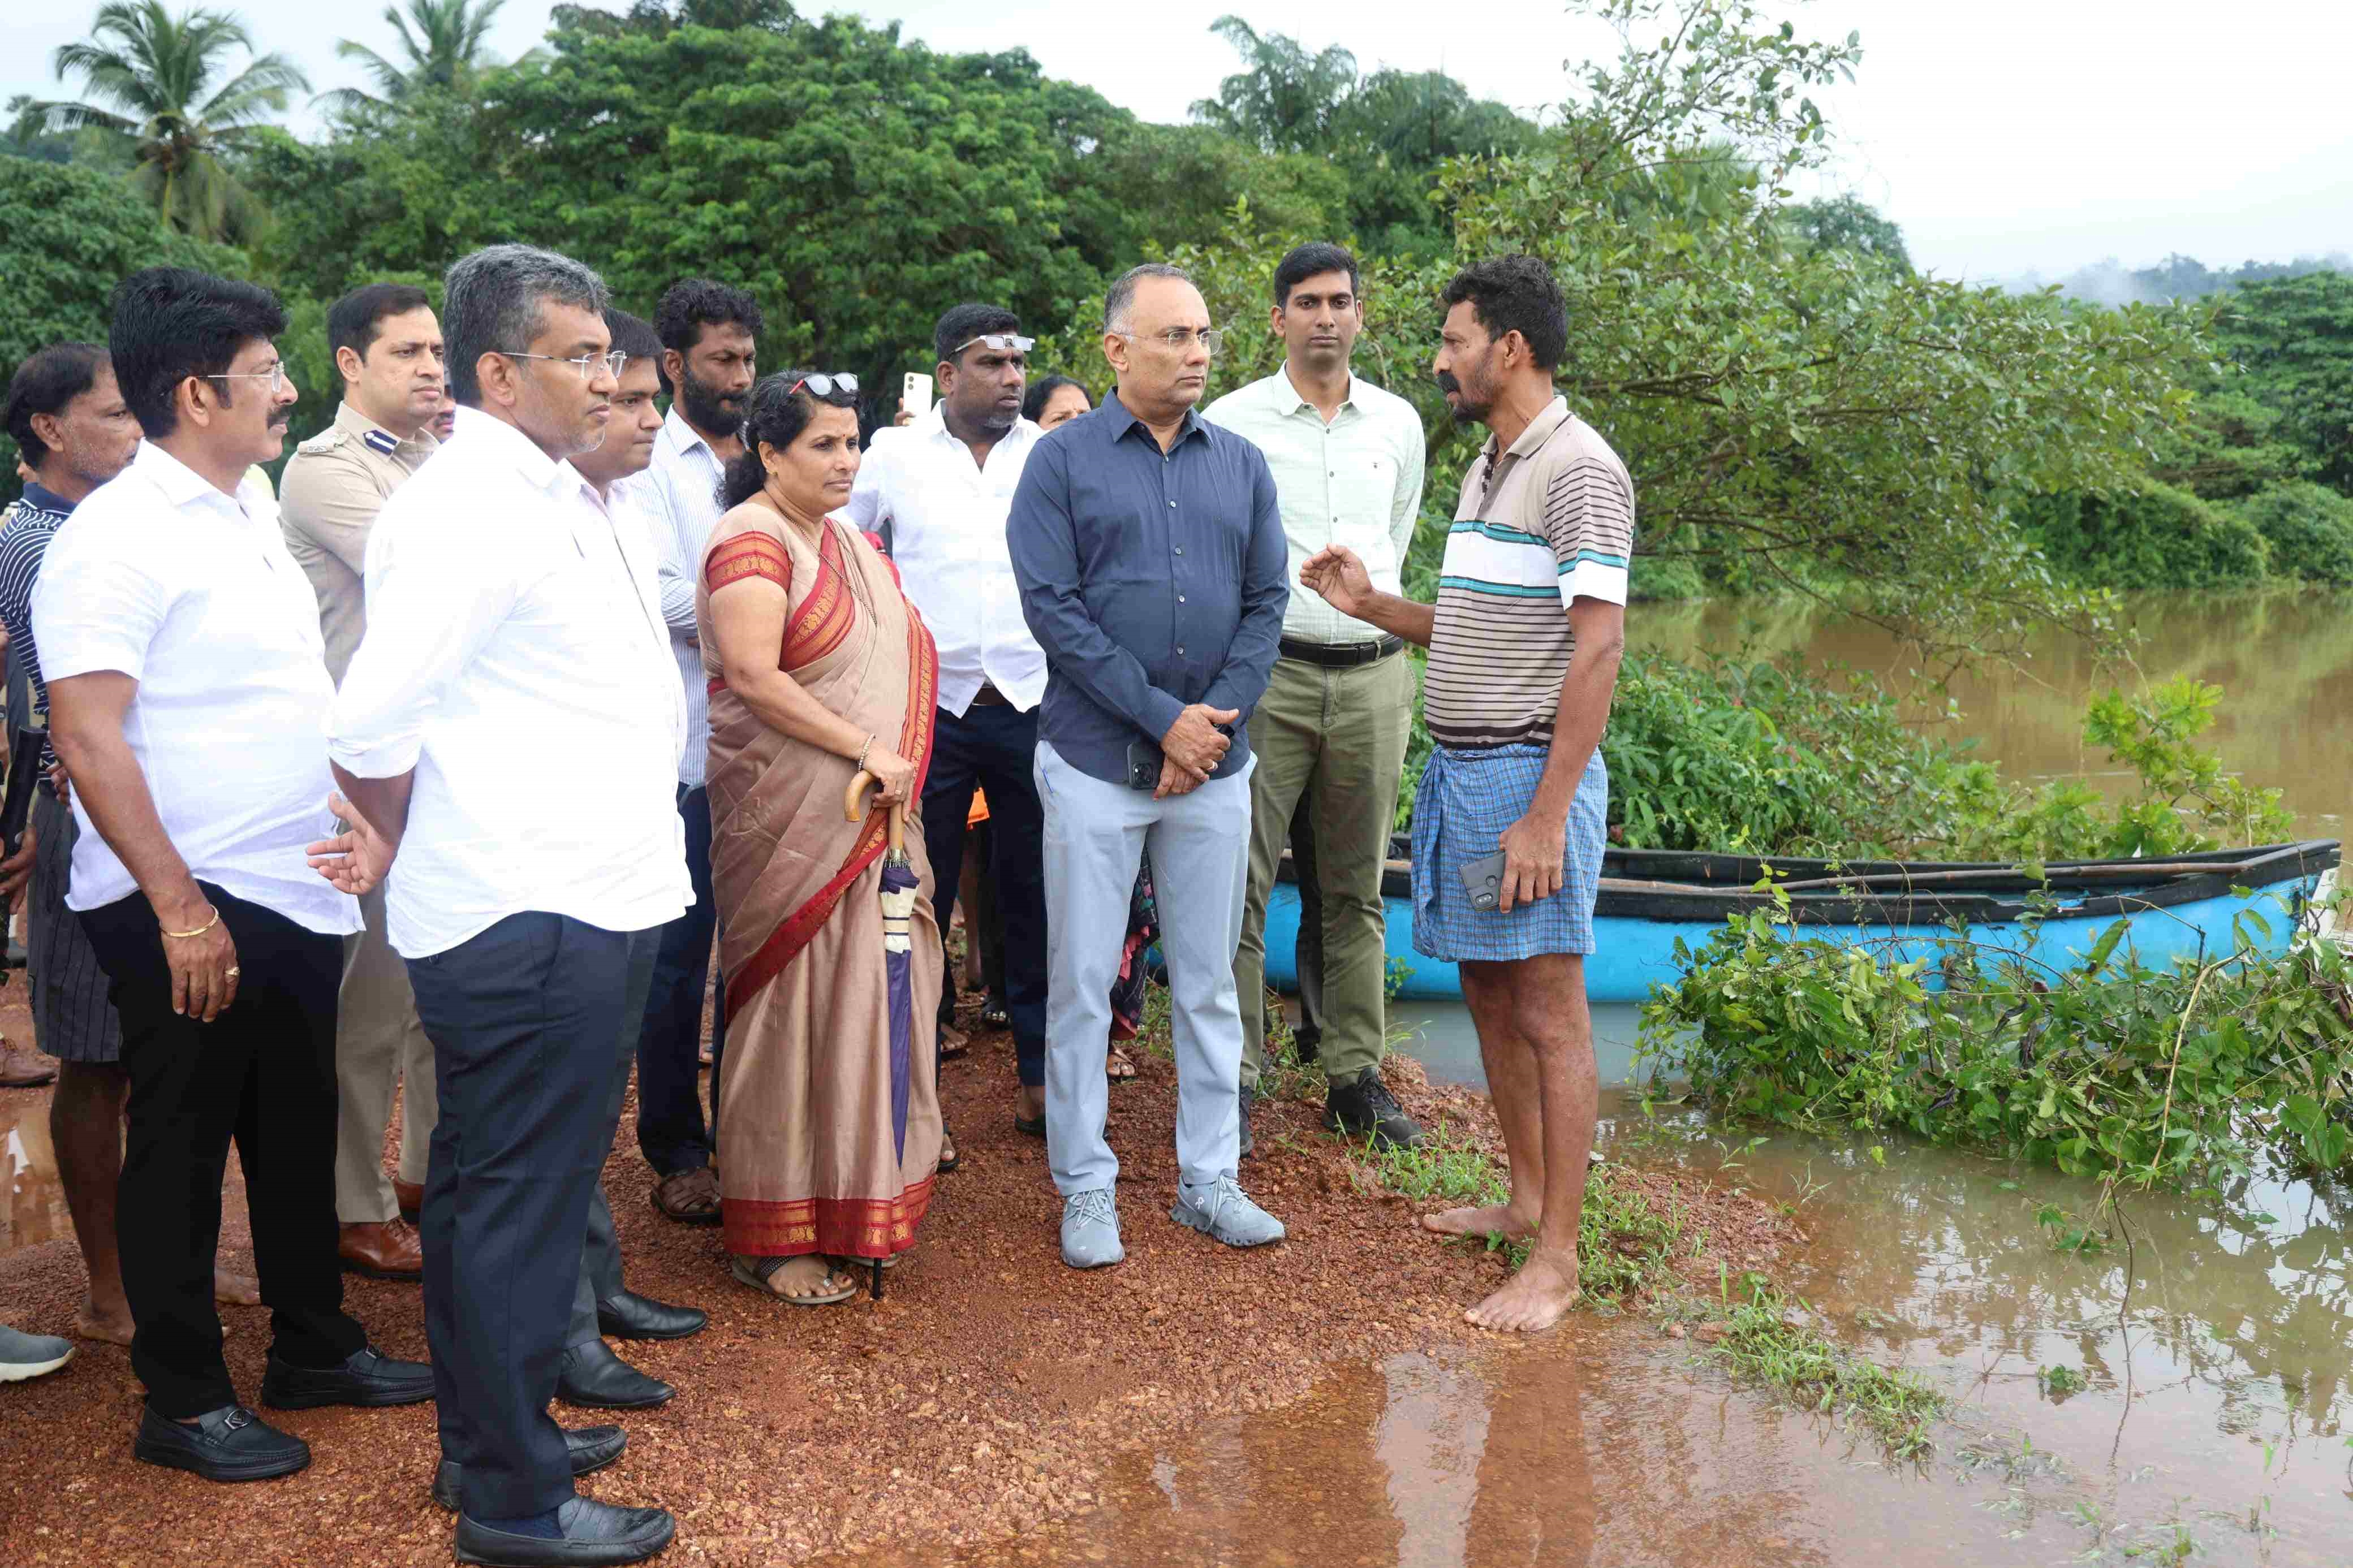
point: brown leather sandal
(689, 1196)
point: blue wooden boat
(2180, 907)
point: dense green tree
(67, 235)
(2155, 537)
(1852, 224)
(2291, 341)
(445, 50)
(2309, 528)
(153, 80)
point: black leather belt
(989, 696)
(1342, 655)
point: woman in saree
(820, 668)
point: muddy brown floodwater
(2213, 1344)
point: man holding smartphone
(1149, 549)
(1516, 696)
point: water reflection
(35, 1210)
(2285, 661)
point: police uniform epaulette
(325, 441)
(384, 441)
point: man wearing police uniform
(387, 346)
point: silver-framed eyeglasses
(275, 376)
(1180, 339)
(1003, 343)
(586, 365)
(843, 384)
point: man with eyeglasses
(1331, 734)
(387, 347)
(945, 488)
(1148, 544)
(187, 685)
(710, 336)
(513, 722)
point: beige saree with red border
(809, 1160)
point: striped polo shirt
(1552, 522)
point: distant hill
(2111, 282)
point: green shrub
(2308, 527)
(2161, 537)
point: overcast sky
(2005, 136)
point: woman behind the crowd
(1055, 400)
(815, 1174)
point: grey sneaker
(1090, 1229)
(1224, 1211)
(31, 1355)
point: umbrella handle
(853, 806)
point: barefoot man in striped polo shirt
(1525, 642)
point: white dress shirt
(680, 492)
(1356, 481)
(193, 596)
(947, 538)
(516, 658)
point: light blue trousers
(1096, 834)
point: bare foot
(236, 1289)
(1495, 1219)
(1533, 1301)
(113, 1328)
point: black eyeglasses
(844, 385)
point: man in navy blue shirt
(1149, 550)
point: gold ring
(232, 972)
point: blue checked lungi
(1465, 801)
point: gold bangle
(184, 935)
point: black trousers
(262, 1073)
(671, 1133)
(996, 746)
(524, 1019)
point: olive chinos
(1337, 738)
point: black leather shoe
(231, 1444)
(595, 1535)
(596, 1379)
(1363, 1106)
(591, 1448)
(366, 1379)
(1250, 1097)
(630, 1316)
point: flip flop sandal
(1119, 1067)
(951, 1158)
(963, 1045)
(1035, 1127)
(699, 1208)
(995, 1013)
(760, 1271)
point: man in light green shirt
(1330, 733)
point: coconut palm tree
(445, 50)
(148, 80)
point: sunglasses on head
(828, 386)
(1003, 343)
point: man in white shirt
(1331, 728)
(387, 348)
(710, 336)
(944, 486)
(188, 681)
(511, 725)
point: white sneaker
(1224, 1211)
(1090, 1229)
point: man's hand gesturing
(1338, 575)
(1193, 742)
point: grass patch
(1762, 1340)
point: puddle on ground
(1599, 1445)
(33, 1203)
(2214, 1340)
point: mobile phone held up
(915, 393)
(1143, 765)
